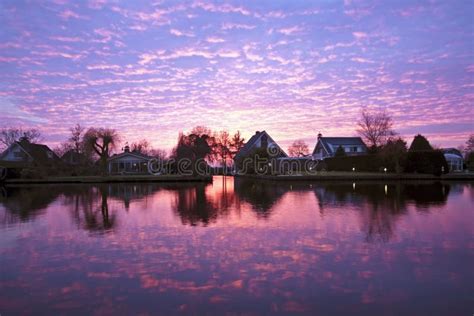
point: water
(238, 246)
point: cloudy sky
(293, 68)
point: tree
(222, 148)
(298, 149)
(142, 147)
(157, 153)
(469, 147)
(61, 149)
(420, 143)
(194, 147)
(375, 128)
(101, 141)
(201, 131)
(393, 154)
(10, 135)
(340, 152)
(75, 140)
(237, 142)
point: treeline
(90, 148)
(392, 157)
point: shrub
(429, 162)
(367, 163)
(340, 152)
(32, 173)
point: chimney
(126, 149)
(257, 132)
(320, 135)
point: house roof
(244, 151)
(248, 145)
(134, 154)
(38, 152)
(330, 143)
(453, 151)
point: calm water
(238, 246)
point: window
(354, 149)
(49, 154)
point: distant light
(386, 189)
(385, 170)
(353, 169)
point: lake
(238, 246)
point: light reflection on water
(237, 246)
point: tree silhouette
(101, 141)
(340, 152)
(298, 149)
(375, 127)
(10, 135)
(420, 143)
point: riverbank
(336, 175)
(111, 179)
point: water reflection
(199, 204)
(25, 203)
(193, 206)
(236, 245)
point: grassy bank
(341, 175)
(110, 179)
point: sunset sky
(293, 68)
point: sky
(292, 68)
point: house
(260, 140)
(327, 146)
(454, 159)
(128, 162)
(25, 152)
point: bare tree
(375, 127)
(75, 140)
(470, 144)
(101, 141)
(62, 148)
(160, 154)
(142, 146)
(223, 147)
(10, 135)
(237, 142)
(298, 149)
(201, 130)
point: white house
(327, 146)
(454, 159)
(128, 162)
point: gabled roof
(248, 145)
(244, 151)
(134, 154)
(334, 142)
(38, 152)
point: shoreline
(344, 176)
(321, 176)
(111, 179)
